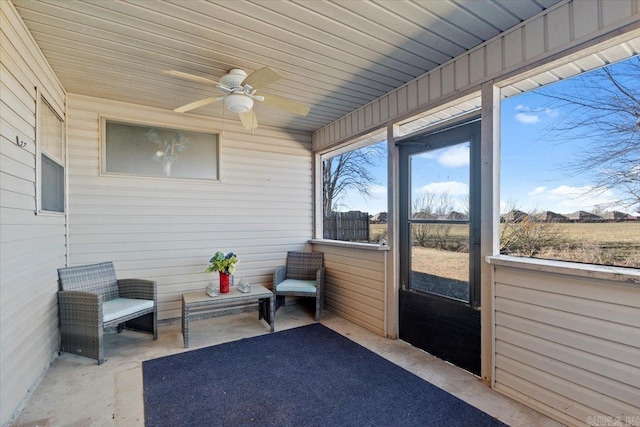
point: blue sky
(534, 169)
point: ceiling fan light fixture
(240, 94)
(238, 103)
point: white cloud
(452, 157)
(527, 118)
(532, 116)
(429, 155)
(565, 199)
(537, 190)
(453, 188)
(455, 157)
(552, 112)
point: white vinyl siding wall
(32, 247)
(167, 229)
(355, 285)
(568, 344)
(559, 29)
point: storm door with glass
(439, 244)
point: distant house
(456, 216)
(549, 216)
(515, 215)
(583, 216)
(424, 215)
(379, 218)
(617, 216)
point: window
(570, 177)
(354, 191)
(51, 132)
(156, 151)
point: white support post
(489, 219)
(393, 255)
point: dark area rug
(307, 376)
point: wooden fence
(352, 226)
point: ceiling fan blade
(197, 104)
(261, 78)
(285, 104)
(191, 77)
(249, 119)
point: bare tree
(423, 207)
(528, 237)
(350, 170)
(598, 210)
(603, 107)
(527, 234)
(431, 206)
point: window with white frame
(52, 159)
(570, 168)
(354, 190)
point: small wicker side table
(199, 301)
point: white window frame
(41, 103)
(353, 144)
(152, 124)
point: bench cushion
(297, 285)
(120, 307)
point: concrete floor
(77, 392)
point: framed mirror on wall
(159, 152)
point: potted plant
(225, 264)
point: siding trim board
(617, 275)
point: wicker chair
(92, 298)
(303, 276)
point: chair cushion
(297, 285)
(120, 307)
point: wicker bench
(92, 298)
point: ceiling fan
(240, 94)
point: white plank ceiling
(335, 56)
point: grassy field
(377, 231)
(609, 243)
(607, 233)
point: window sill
(354, 245)
(626, 276)
(50, 213)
